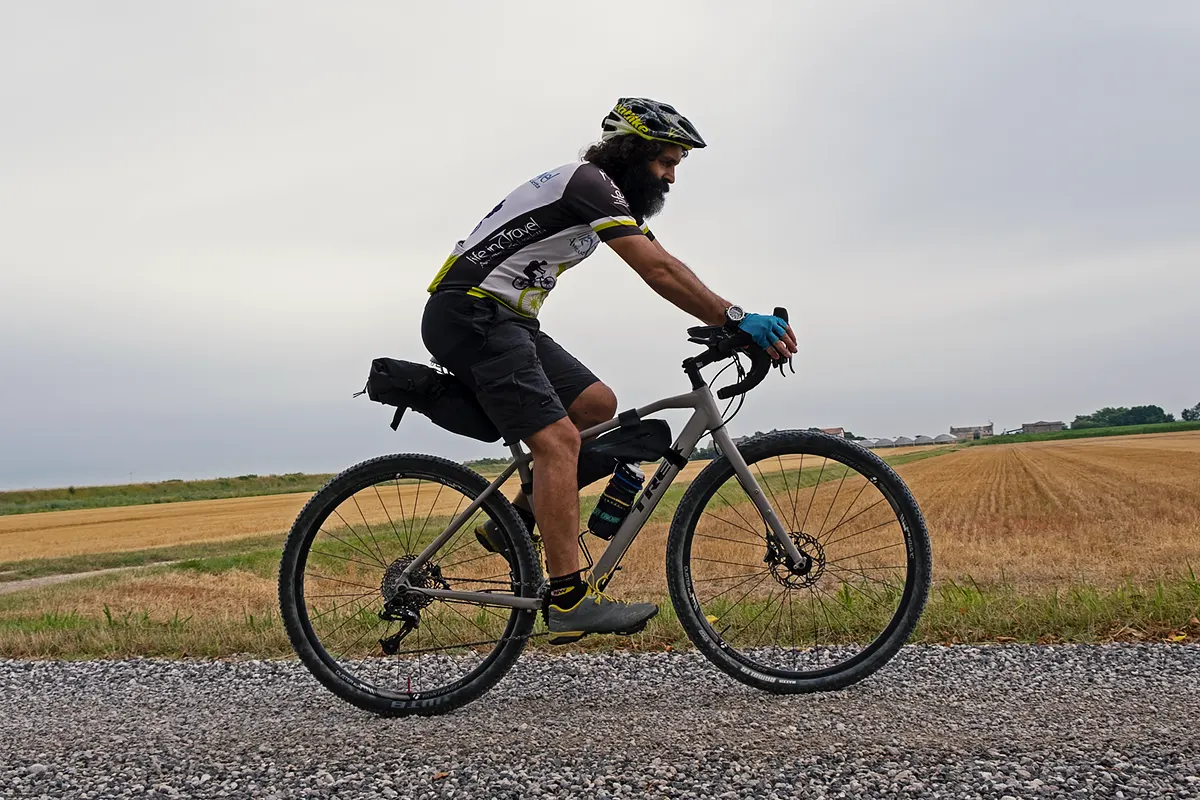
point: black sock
(526, 517)
(567, 590)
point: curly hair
(616, 155)
(625, 160)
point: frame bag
(645, 440)
(440, 396)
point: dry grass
(1118, 517)
(106, 530)
(1102, 511)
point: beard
(645, 193)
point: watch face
(735, 314)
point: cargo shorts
(524, 379)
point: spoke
(312, 596)
(733, 508)
(796, 499)
(856, 516)
(468, 561)
(352, 547)
(861, 489)
(436, 497)
(464, 543)
(344, 558)
(777, 618)
(731, 524)
(851, 610)
(339, 580)
(449, 647)
(416, 510)
(828, 511)
(759, 543)
(787, 489)
(343, 605)
(356, 536)
(719, 561)
(747, 594)
(866, 552)
(407, 539)
(767, 484)
(816, 486)
(853, 571)
(770, 600)
(374, 624)
(468, 619)
(383, 505)
(737, 585)
(367, 525)
(357, 611)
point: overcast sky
(214, 215)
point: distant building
(902, 441)
(885, 442)
(972, 431)
(1042, 427)
(923, 440)
(945, 438)
(835, 432)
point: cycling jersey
(543, 228)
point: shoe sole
(567, 637)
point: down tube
(696, 427)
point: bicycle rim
(357, 542)
(853, 600)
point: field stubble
(1084, 539)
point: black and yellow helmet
(650, 119)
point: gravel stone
(1108, 721)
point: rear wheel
(354, 627)
(819, 625)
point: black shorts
(524, 379)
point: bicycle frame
(706, 419)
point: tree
(1191, 414)
(1109, 417)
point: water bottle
(614, 504)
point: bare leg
(595, 404)
(555, 451)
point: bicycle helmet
(650, 119)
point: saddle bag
(440, 396)
(645, 440)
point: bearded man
(481, 324)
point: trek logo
(504, 240)
(633, 119)
(648, 495)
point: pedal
(566, 637)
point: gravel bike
(796, 561)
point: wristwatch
(734, 316)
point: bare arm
(671, 278)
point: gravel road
(1118, 721)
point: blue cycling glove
(764, 329)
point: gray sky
(213, 215)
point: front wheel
(819, 625)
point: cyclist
(481, 323)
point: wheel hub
(793, 575)
(395, 589)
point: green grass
(958, 612)
(187, 553)
(76, 497)
(1088, 433)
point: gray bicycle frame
(705, 419)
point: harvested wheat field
(1095, 510)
